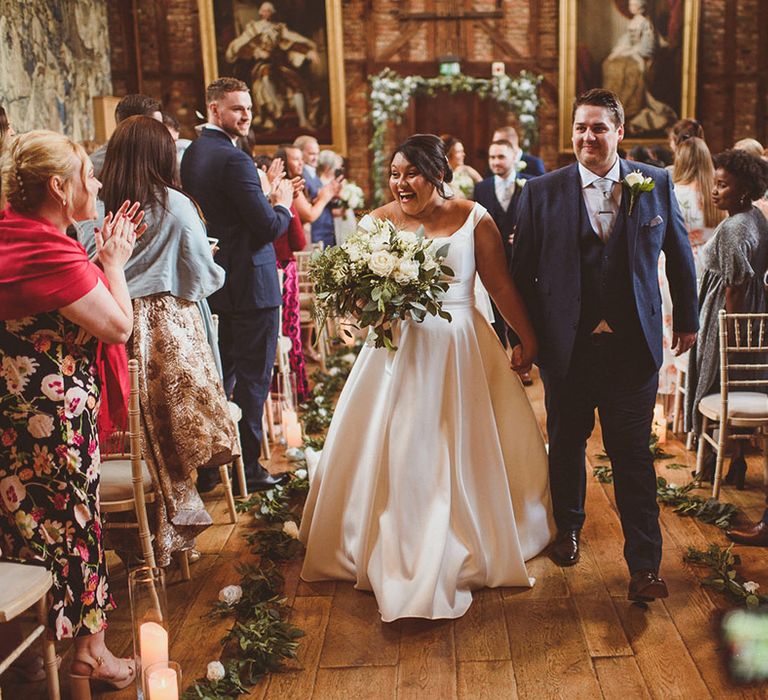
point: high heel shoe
(80, 685)
(737, 473)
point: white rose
(291, 529)
(408, 238)
(300, 473)
(215, 671)
(230, 595)
(40, 425)
(751, 587)
(407, 271)
(353, 252)
(333, 371)
(381, 263)
(294, 454)
(379, 241)
(349, 358)
(635, 178)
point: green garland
(391, 94)
(722, 564)
(261, 638)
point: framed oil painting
(643, 50)
(289, 52)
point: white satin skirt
(433, 480)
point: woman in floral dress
(57, 312)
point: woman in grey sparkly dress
(735, 260)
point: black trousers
(248, 344)
(611, 376)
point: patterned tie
(506, 198)
(606, 214)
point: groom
(586, 261)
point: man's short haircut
(136, 106)
(302, 141)
(502, 142)
(510, 134)
(221, 87)
(599, 97)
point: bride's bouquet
(379, 276)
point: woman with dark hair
(184, 411)
(684, 129)
(465, 177)
(433, 480)
(734, 261)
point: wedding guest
(751, 146)
(533, 164)
(734, 261)
(129, 106)
(693, 175)
(313, 203)
(184, 412)
(684, 129)
(465, 177)
(499, 194)
(643, 154)
(663, 154)
(285, 245)
(62, 324)
(174, 129)
(225, 182)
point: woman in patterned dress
(57, 313)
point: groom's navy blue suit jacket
(546, 262)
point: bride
(433, 480)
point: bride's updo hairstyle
(427, 154)
(31, 160)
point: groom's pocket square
(655, 221)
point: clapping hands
(118, 234)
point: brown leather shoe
(565, 550)
(645, 586)
(755, 535)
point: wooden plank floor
(574, 635)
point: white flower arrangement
(391, 94)
(215, 671)
(230, 595)
(352, 195)
(380, 276)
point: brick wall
(733, 60)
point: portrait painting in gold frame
(289, 52)
(643, 50)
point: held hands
(276, 169)
(682, 342)
(117, 236)
(522, 358)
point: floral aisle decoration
(391, 94)
(722, 563)
(352, 196)
(380, 276)
(261, 638)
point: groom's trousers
(607, 375)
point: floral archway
(391, 94)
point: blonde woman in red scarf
(63, 322)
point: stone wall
(732, 82)
(54, 57)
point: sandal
(80, 685)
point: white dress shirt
(602, 223)
(505, 188)
(602, 215)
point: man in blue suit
(499, 194)
(533, 164)
(224, 181)
(585, 258)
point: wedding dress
(433, 479)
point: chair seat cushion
(116, 484)
(741, 404)
(21, 586)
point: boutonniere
(636, 183)
(521, 165)
(520, 182)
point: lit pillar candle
(660, 423)
(162, 685)
(289, 418)
(293, 435)
(153, 643)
